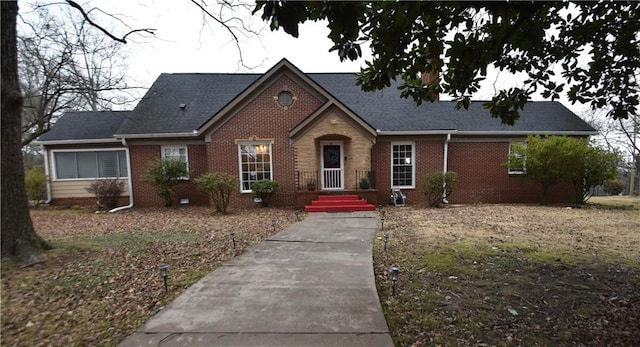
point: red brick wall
(481, 175)
(483, 178)
(265, 119)
(144, 193)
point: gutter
(445, 168)
(130, 180)
(193, 133)
(46, 172)
(75, 142)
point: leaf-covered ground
(502, 275)
(102, 280)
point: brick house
(313, 133)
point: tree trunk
(18, 237)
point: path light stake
(233, 238)
(164, 273)
(274, 222)
(393, 272)
(386, 239)
(298, 212)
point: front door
(332, 164)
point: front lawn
(102, 282)
(501, 275)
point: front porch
(308, 189)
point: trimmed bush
(35, 182)
(264, 190)
(433, 189)
(165, 174)
(613, 187)
(107, 192)
(219, 186)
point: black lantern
(386, 239)
(164, 273)
(393, 273)
(233, 238)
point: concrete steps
(339, 203)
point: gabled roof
(181, 103)
(85, 127)
(186, 104)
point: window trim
(54, 163)
(413, 163)
(245, 143)
(186, 156)
(519, 171)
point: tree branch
(105, 31)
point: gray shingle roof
(203, 95)
(86, 125)
(385, 110)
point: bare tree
(65, 65)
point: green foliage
(613, 187)
(264, 189)
(551, 159)
(165, 174)
(600, 166)
(219, 186)
(462, 39)
(107, 192)
(436, 184)
(35, 182)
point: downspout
(444, 168)
(46, 172)
(130, 179)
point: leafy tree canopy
(595, 46)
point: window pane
(122, 159)
(255, 163)
(66, 165)
(108, 164)
(87, 164)
(402, 165)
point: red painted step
(339, 203)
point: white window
(403, 165)
(90, 164)
(255, 163)
(177, 153)
(517, 159)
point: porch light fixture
(164, 273)
(386, 239)
(233, 238)
(394, 271)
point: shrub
(219, 186)
(35, 182)
(165, 174)
(433, 189)
(264, 189)
(613, 187)
(107, 192)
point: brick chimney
(428, 77)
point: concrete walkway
(309, 285)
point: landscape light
(233, 238)
(382, 220)
(386, 239)
(393, 272)
(164, 273)
(274, 222)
